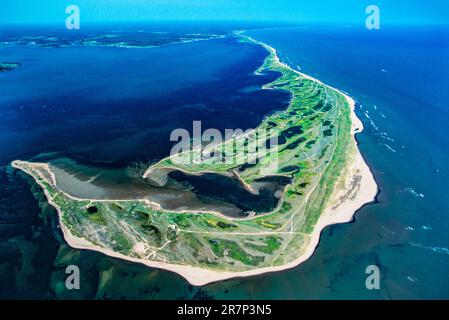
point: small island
(8, 66)
(328, 182)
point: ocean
(108, 108)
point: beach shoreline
(333, 214)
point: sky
(324, 11)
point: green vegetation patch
(231, 249)
(270, 245)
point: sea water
(109, 107)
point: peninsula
(317, 150)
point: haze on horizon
(329, 11)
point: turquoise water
(399, 76)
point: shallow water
(181, 191)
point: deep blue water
(89, 102)
(109, 107)
(400, 76)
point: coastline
(342, 213)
